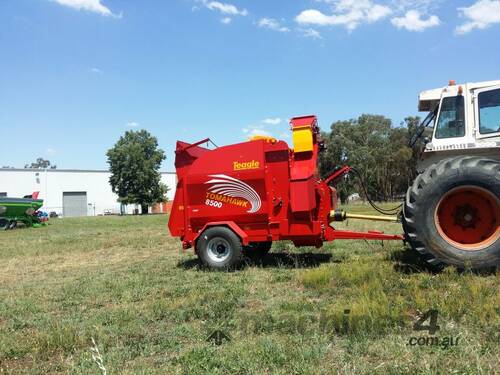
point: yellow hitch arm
(337, 215)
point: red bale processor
(241, 197)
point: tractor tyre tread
(421, 192)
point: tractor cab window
(489, 111)
(451, 122)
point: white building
(70, 192)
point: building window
(3, 194)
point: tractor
(451, 213)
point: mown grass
(124, 282)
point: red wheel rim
(468, 217)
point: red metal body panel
(261, 189)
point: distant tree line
(41, 163)
(378, 150)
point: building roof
(60, 170)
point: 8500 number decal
(212, 203)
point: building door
(74, 204)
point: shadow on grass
(272, 260)
(409, 262)
(290, 260)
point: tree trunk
(144, 209)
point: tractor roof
(428, 99)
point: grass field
(124, 282)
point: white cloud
(348, 13)
(132, 124)
(96, 70)
(272, 24)
(424, 6)
(89, 5)
(311, 33)
(225, 8)
(226, 20)
(252, 130)
(263, 127)
(272, 121)
(413, 21)
(480, 15)
(259, 132)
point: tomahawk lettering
(235, 188)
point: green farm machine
(24, 210)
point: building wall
(51, 184)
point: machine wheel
(4, 224)
(219, 248)
(452, 213)
(257, 249)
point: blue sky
(76, 74)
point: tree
(134, 163)
(41, 163)
(376, 149)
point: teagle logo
(254, 164)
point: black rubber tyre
(424, 206)
(219, 248)
(4, 224)
(257, 249)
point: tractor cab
(463, 119)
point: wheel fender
(231, 225)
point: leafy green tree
(376, 149)
(135, 162)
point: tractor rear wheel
(219, 248)
(452, 213)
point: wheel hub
(468, 217)
(218, 249)
(221, 249)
